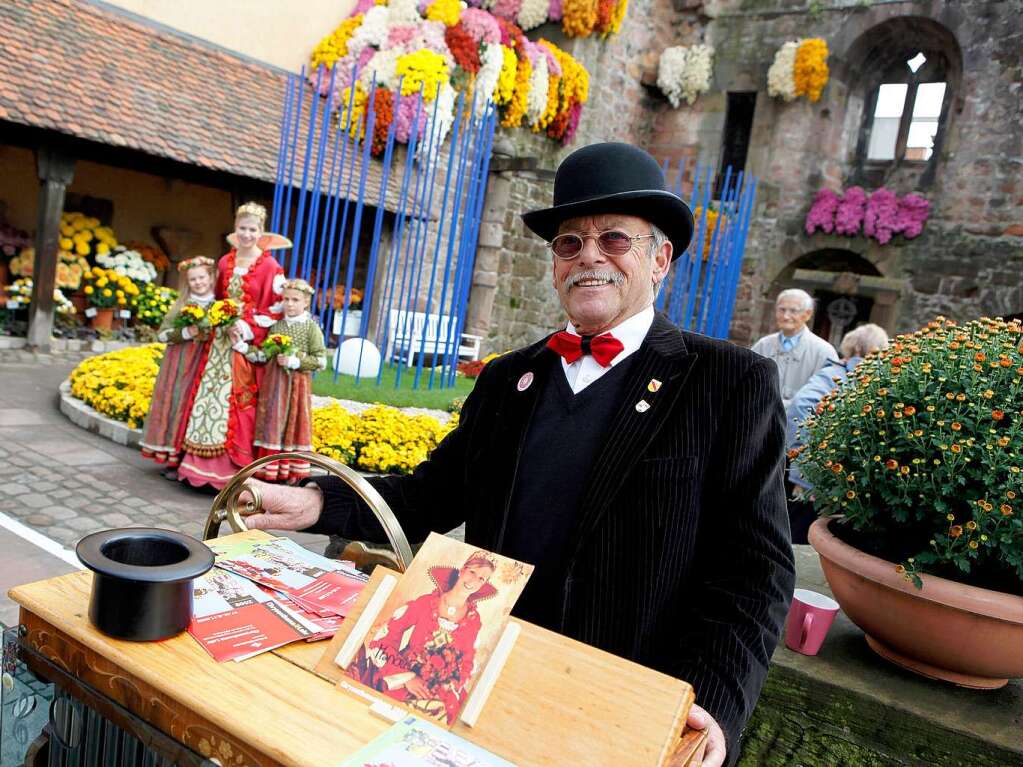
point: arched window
(904, 110)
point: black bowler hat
(614, 178)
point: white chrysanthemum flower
(532, 13)
(444, 114)
(372, 31)
(539, 84)
(780, 77)
(670, 70)
(402, 12)
(383, 65)
(685, 73)
(491, 59)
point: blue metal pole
(320, 286)
(321, 152)
(275, 214)
(300, 216)
(697, 260)
(298, 107)
(737, 258)
(680, 278)
(709, 296)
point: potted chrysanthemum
(918, 461)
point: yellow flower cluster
(715, 220)
(422, 67)
(447, 11)
(579, 17)
(382, 439)
(357, 125)
(83, 236)
(810, 71)
(106, 288)
(119, 384)
(517, 108)
(506, 79)
(224, 312)
(335, 45)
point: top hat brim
(663, 209)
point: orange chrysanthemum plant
(921, 452)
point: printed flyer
(413, 742)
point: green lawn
(366, 390)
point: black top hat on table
(142, 587)
(614, 178)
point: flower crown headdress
(191, 263)
(253, 209)
(300, 285)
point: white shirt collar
(300, 318)
(208, 298)
(630, 332)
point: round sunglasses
(612, 242)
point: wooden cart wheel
(227, 508)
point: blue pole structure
(455, 233)
(705, 282)
(697, 260)
(275, 214)
(478, 122)
(722, 262)
(326, 235)
(422, 229)
(367, 142)
(300, 216)
(714, 257)
(298, 107)
(452, 157)
(385, 330)
(738, 249)
(378, 220)
(321, 152)
(473, 239)
(681, 265)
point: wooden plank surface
(557, 701)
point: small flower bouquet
(224, 313)
(191, 315)
(276, 344)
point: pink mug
(810, 617)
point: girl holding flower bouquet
(184, 330)
(219, 434)
(293, 349)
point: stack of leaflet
(267, 593)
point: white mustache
(615, 278)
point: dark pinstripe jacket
(681, 560)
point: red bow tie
(603, 348)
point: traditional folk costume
(218, 438)
(419, 641)
(284, 416)
(175, 386)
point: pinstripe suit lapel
(662, 356)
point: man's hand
(712, 753)
(284, 508)
(418, 687)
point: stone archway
(849, 289)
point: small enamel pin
(525, 382)
(654, 385)
(642, 406)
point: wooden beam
(55, 172)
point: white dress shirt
(631, 333)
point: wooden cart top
(556, 702)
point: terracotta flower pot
(80, 301)
(103, 320)
(946, 630)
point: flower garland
(685, 72)
(800, 68)
(579, 17)
(439, 48)
(881, 215)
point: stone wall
(968, 260)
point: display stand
(556, 701)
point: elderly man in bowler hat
(637, 466)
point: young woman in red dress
(218, 439)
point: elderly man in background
(795, 349)
(857, 344)
(626, 459)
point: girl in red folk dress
(293, 350)
(186, 337)
(425, 655)
(218, 438)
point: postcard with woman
(438, 628)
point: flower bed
(381, 439)
(880, 215)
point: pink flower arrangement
(401, 35)
(881, 216)
(913, 212)
(822, 212)
(406, 114)
(481, 26)
(555, 12)
(573, 123)
(849, 214)
(506, 9)
(362, 6)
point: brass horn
(227, 508)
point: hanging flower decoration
(579, 17)
(800, 68)
(685, 72)
(438, 48)
(880, 216)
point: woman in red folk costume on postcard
(425, 655)
(218, 439)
